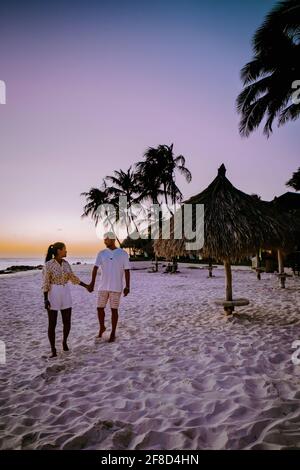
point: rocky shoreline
(20, 268)
(16, 269)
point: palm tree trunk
(165, 194)
(159, 226)
(166, 199)
(132, 218)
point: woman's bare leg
(66, 318)
(52, 320)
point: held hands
(90, 288)
(126, 291)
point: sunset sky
(90, 85)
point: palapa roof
(288, 201)
(235, 224)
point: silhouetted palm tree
(269, 77)
(153, 179)
(149, 178)
(294, 182)
(125, 183)
(157, 174)
(96, 206)
(95, 198)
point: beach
(179, 376)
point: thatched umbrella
(288, 207)
(290, 220)
(236, 225)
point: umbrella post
(229, 303)
(228, 286)
(156, 264)
(258, 270)
(210, 268)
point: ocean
(7, 262)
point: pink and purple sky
(90, 85)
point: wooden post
(156, 264)
(280, 262)
(210, 268)
(258, 266)
(228, 285)
(281, 269)
(174, 265)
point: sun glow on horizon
(11, 248)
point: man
(113, 262)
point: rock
(16, 269)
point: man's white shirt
(112, 264)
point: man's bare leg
(101, 317)
(114, 322)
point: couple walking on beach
(57, 272)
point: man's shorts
(114, 298)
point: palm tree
(154, 178)
(268, 79)
(157, 174)
(294, 182)
(96, 206)
(95, 198)
(125, 183)
(149, 178)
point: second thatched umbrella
(235, 226)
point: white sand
(179, 376)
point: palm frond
(253, 115)
(185, 172)
(291, 113)
(251, 92)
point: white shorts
(104, 295)
(60, 297)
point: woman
(56, 274)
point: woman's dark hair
(52, 250)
